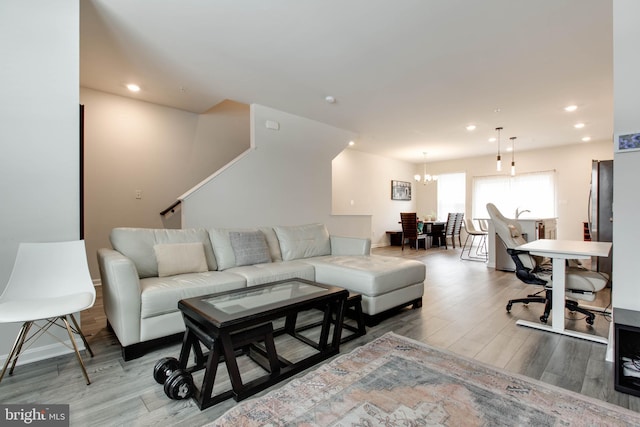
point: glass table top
(250, 299)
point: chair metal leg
(79, 332)
(20, 344)
(15, 350)
(480, 257)
(75, 347)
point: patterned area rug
(395, 381)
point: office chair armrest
(121, 294)
(513, 252)
(523, 273)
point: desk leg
(557, 308)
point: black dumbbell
(178, 383)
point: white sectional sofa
(149, 270)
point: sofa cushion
(303, 241)
(370, 275)
(161, 295)
(180, 258)
(221, 243)
(259, 274)
(249, 247)
(137, 245)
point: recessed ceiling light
(578, 125)
(330, 99)
(586, 138)
(133, 87)
(471, 127)
(570, 108)
(492, 139)
(352, 143)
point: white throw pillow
(180, 258)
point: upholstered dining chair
(49, 282)
(409, 222)
(581, 284)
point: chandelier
(425, 177)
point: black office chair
(409, 222)
(580, 284)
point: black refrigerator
(601, 210)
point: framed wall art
(400, 190)
(626, 141)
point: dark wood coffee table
(239, 322)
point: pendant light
(498, 158)
(513, 150)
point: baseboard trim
(45, 352)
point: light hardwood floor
(463, 311)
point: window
(535, 192)
(452, 192)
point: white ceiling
(407, 75)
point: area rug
(395, 381)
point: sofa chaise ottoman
(149, 270)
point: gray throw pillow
(249, 247)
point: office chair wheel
(544, 318)
(509, 307)
(589, 320)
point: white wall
(572, 164)
(39, 121)
(366, 179)
(284, 180)
(362, 186)
(626, 179)
(132, 145)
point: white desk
(559, 251)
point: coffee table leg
(290, 323)
(188, 341)
(231, 362)
(337, 308)
(326, 325)
(209, 374)
(337, 331)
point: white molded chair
(49, 282)
(580, 284)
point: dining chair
(409, 222)
(457, 227)
(481, 248)
(448, 230)
(49, 282)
